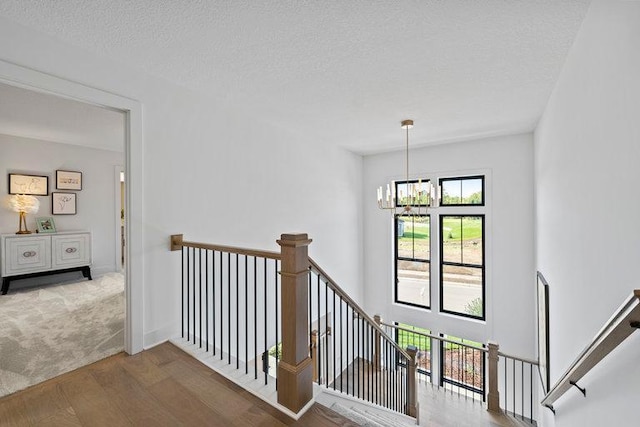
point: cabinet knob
(29, 254)
(71, 250)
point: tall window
(459, 250)
(413, 260)
(462, 265)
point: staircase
(242, 316)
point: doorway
(30, 79)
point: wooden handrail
(424, 334)
(339, 291)
(519, 359)
(177, 243)
(623, 323)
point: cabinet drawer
(70, 251)
(26, 255)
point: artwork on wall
(33, 185)
(46, 225)
(68, 180)
(543, 331)
(63, 203)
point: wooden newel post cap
(412, 350)
(294, 239)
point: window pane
(462, 290)
(452, 233)
(472, 191)
(472, 235)
(413, 193)
(462, 191)
(413, 282)
(413, 237)
(451, 192)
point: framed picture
(46, 225)
(63, 203)
(543, 331)
(68, 180)
(33, 185)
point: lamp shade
(23, 203)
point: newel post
(412, 391)
(493, 397)
(376, 346)
(295, 370)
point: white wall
(587, 152)
(95, 202)
(216, 173)
(510, 285)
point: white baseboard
(154, 338)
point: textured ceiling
(50, 118)
(344, 71)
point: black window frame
(460, 178)
(411, 181)
(397, 258)
(442, 263)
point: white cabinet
(70, 250)
(26, 255)
(33, 255)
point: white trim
(19, 76)
(267, 393)
(117, 170)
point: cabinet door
(27, 255)
(71, 250)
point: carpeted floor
(50, 330)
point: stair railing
(624, 321)
(358, 358)
(230, 304)
(470, 370)
(248, 306)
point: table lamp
(23, 204)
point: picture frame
(46, 225)
(63, 203)
(543, 331)
(68, 180)
(32, 185)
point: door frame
(117, 170)
(26, 78)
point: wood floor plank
(13, 412)
(61, 418)
(162, 386)
(130, 397)
(46, 400)
(185, 405)
(144, 369)
(90, 402)
(164, 353)
(209, 389)
(255, 416)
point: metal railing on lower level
(465, 367)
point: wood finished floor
(162, 386)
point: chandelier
(408, 197)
